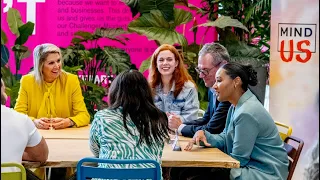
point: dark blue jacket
(213, 121)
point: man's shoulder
(12, 115)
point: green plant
(86, 55)
(22, 32)
(238, 23)
(244, 29)
(159, 23)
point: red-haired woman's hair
(179, 76)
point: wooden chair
(284, 130)
(293, 152)
(19, 175)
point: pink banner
(57, 20)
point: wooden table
(68, 146)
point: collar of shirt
(159, 88)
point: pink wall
(51, 18)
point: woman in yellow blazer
(47, 93)
(50, 92)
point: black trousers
(56, 174)
(199, 173)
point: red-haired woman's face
(166, 63)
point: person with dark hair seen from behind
(211, 57)
(20, 139)
(250, 135)
(132, 127)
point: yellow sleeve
(22, 100)
(81, 116)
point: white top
(17, 132)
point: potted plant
(86, 58)
(22, 32)
(158, 20)
(244, 29)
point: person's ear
(237, 81)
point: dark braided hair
(246, 73)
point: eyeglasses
(206, 72)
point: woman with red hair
(174, 89)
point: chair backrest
(284, 130)
(293, 151)
(13, 175)
(89, 171)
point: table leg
(166, 173)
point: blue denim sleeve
(190, 110)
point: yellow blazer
(61, 98)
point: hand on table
(198, 136)
(59, 123)
(174, 121)
(42, 123)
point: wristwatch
(71, 123)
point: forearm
(216, 140)
(81, 119)
(26, 157)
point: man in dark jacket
(211, 57)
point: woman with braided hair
(250, 135)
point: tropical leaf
(261, 5)
(73, 69)
(113, 34)
(14, 21)
(223, 22)
(145, 65)
(85, 35)
(4, 38)
(134, 6)
(243, 53)
(25, 31)
(146, 6)
(25, 54)
(155, 27)
(193, 7)
(116, 58)
(4, 55)
(165, 6)
(181, 2)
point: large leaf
(14, 21)
(145, 65)
(134, 6)
(155, 27)
(20, 52)
(73, 69)
(112, 33)
(225, 21)
(146, 6)
(25, 31)
(165, 6)
(4, 38)
(245, 54)
(4, 55)
(118, 59)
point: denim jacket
(186, 104)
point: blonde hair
(40, 53)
